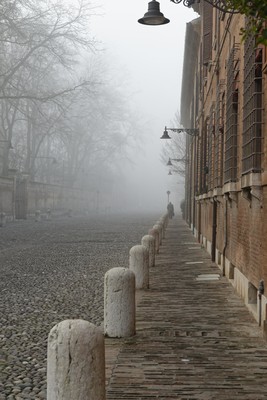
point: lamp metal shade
(169, 162)
(165, 134)
(153, 16)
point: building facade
(224, 92)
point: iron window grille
(253, 107)
(231, 123)
(219, 134)
(204, 158)
(209, 167)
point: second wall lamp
(191, 132)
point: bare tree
(47, 33)
(51, 107)
(99, 129)
(40, 43)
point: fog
(85, 94)
(152, 59)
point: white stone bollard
(149, 242)
(48, 214)
(155, 233)
(37, 215)
(158, 226)
(75, 362)
(161, 222)
(165, 219)
(119, 303)
(139, 264)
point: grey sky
(152, 57)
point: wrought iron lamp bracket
(191, 132)
(186, 3)
(219, 4)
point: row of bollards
(76, 348)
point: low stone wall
(55, 197)
(42, 196)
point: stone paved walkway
(195, 338)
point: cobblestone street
(51, 271)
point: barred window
(252, 116)
(204, 158)
(231, 123)
(209, 168)
(219, 134)
(207, 32)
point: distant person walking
(170, 209)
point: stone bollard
(165, 219)
(75, 362)
(149, 242)
(158, 226)
(139, 264)
(48, 214)
(119, 303)
(155, 233)
(37, 215)
(2, 219)
(161, 222)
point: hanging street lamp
(154, 17)
(191, 132)
(170, 164)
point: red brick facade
(224, 93)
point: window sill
(251, 179)
(230, 187)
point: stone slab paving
(195, 338)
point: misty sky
(151, 57)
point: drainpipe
(225, 235)
(214, 228)
(260, 293)
(199, 221)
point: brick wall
(246, 239)
(246, 234)
(237, 128)
(206, 219)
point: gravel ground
(51, 271)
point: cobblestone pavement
(51, 271)
(195, 338)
